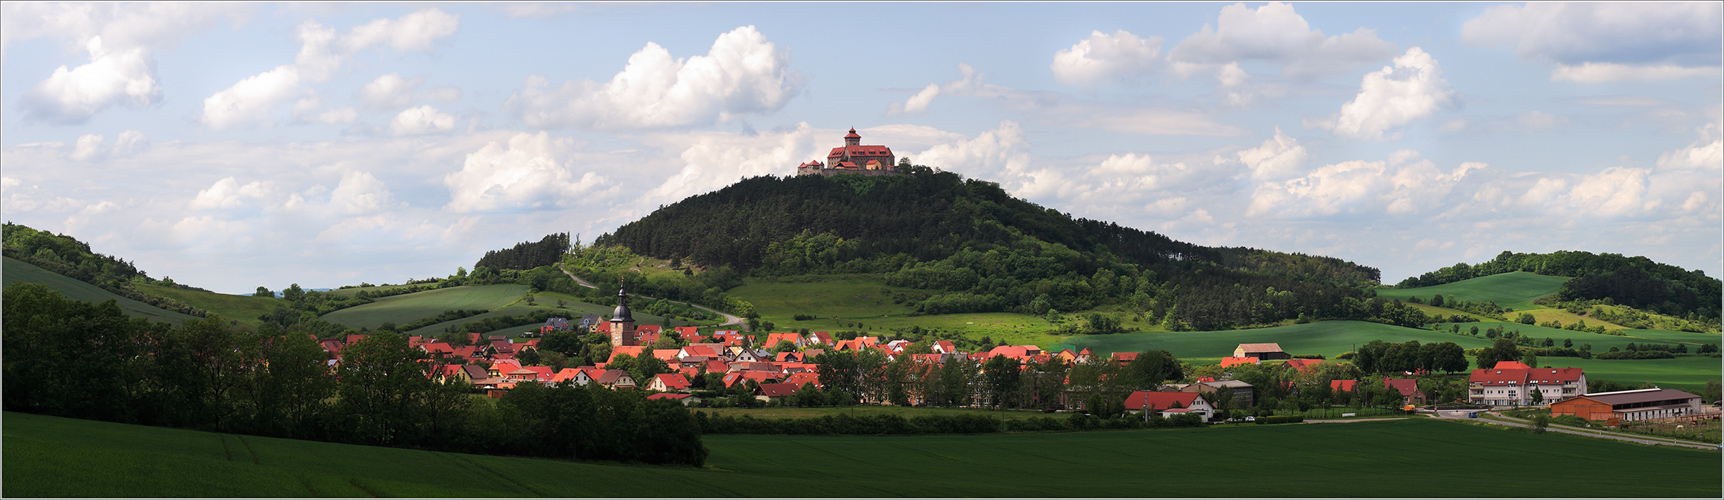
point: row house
(1513, 383)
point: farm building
(1168, 404)
(1243, 393)
(1261, 351)
(1232, 360)
(1409, 389)
(1512, 383)
(1641, 404)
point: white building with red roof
(1512, 383)
(853, 158)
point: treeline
(977, 249)
(1635, 281)
(1628, 316)
(74, 359)
(1379, 356)
(66, 256)
(528, 255)
(890, 424)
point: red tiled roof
(1125, 356)
(860, 151)
(777, 390)
(1406, 386)
(1159, 400)
(666, 355)
(672, 381)
(1510, 365)
(1303, 365)
(1343, 385)
(804, 378)
(1504, 376)
(634, 351)
(1230, 361)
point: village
(773, 370)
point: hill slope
(16, 271)
(1515, 290)
(982, 250)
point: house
(590, 320)
(1512, 383)
(688, 334)
(791, 356)
(1409, 389)
(685, 399)
(1168, 403)
(634, 351)
(769, 392)
(772, 339)
(555, 325)
(1124, 358)
(821, 338)
(615, 379)
(1343, 385)
(1234, 361)
(731, 379)
(1626, 406)
(668, 356)
(1304, 365)
(805, 378)
(1260, 351)
(570, 377)
(668, 382)
(1084, 356)
(1244, 394)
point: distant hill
(986, 251)
(66, 256)
(1638, 282)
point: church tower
(622, 322)
(852, 139)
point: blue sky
(235, 145)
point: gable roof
(777, 390)
(798, 379)
(672, 381)
(1304, 365)
(1263, 347)
(1639, 396)
(1406, 386)
(1510, 365)
(1159, 400)
(634, 351)
(1343, 385)
(1231, 361)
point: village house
(1169, 404)
(685, 399)
(1260, 351)
(668, 382)
(1626, 406)
(1512, 383)
(1408, 388)
(1244, 394)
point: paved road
(1499, 419)
(729, 319)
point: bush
(1281, 419)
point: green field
(860, 411)
(1514, 290)
(1600, 342)
(403, 309)
(349, 292)
(46, 456)
(844, 297)
(17, 271)
(1688, 373)
(1328, 338)
(242, 308)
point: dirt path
(1499, 419)
(729, 319)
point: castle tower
(852, 139)
(622, 322)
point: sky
(236, 145)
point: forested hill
(1633, 281)
(988, 250)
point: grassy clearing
(903, 411)
(1688, 373)
(17, 271)
(1600, 342)
(1328, 338)
(842, 296)
(403, 309)
(349, 292)
(1445, 312)
(1514, 290)
(242, 308)
(46, 456)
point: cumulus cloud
(743, 73)
(1707, 153)
(990, 154)
(253, 101)
(1413, 88)
(228, 194)
(529, 172)
(714, 160)
(360, 193)
(1402, 185)
(969, 83)
(1602, 42)
(1615, 192)
(1274, 33)
(389, 90)
(111, 78)
(1278, 158)
(121, 26)
(421, 120)
(1104, 57)
(95, 146)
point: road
(729, 319)
(1499, 419)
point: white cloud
(917, 103)
(95, 147)
(1413, 88)
(743, 73)
(1617, 191)
(121, 26)
(1278, 158)
(1104, 57)
(968, 84)
(1572, 34)
(1276, 34)
(360, 193)
(990, 154)
(715, 160)
(389, 90)
(228, 194)
(421, 120)
(252, 101)
(412, 32)
(1707, 153)
(530, 172)
(111, 78)
(1402, 185)
(1593, 72)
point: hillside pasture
(1688, 373)
(828, 297)
(17, 271)
(1329, 338)
(403, 309)
(1514, 290)
(242, 308)
(1600, 342)
(349, 292)
(47, 456)
(1543, 315)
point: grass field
(904, 411)
(1328, 338)
(1600, 342)
(46, 456)
(1514, 290)
(843, 297)
(1688, 373)
(17, 271)
(242, 308)
(403, 309)
(349, 292)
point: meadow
(47, 456)
(17, 271)
(1688, 373)
(403, 309)
(1514, 290)
(242, 308)
(1329, 338)
(1600, 342)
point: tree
(1530, 359)
(1539, 423)
(784, 346)
(1537, 395)
(1527, 319)
(528, 357)
(1002, 378)
(1437, 300)
(263, 292)
(293, 293)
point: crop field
(1328, 338)
(1600, 342)
(1688, 373)
(844, 297)
(860, 411)
(1565, 317)
(47, 456)
(349, 292)
(242, 308)
(17, 271)
(403, 309)
(1445, 312)
(1514, 290)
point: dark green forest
(986, 251)
(527, 255)
(1637, 281)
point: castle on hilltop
(853, 158)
